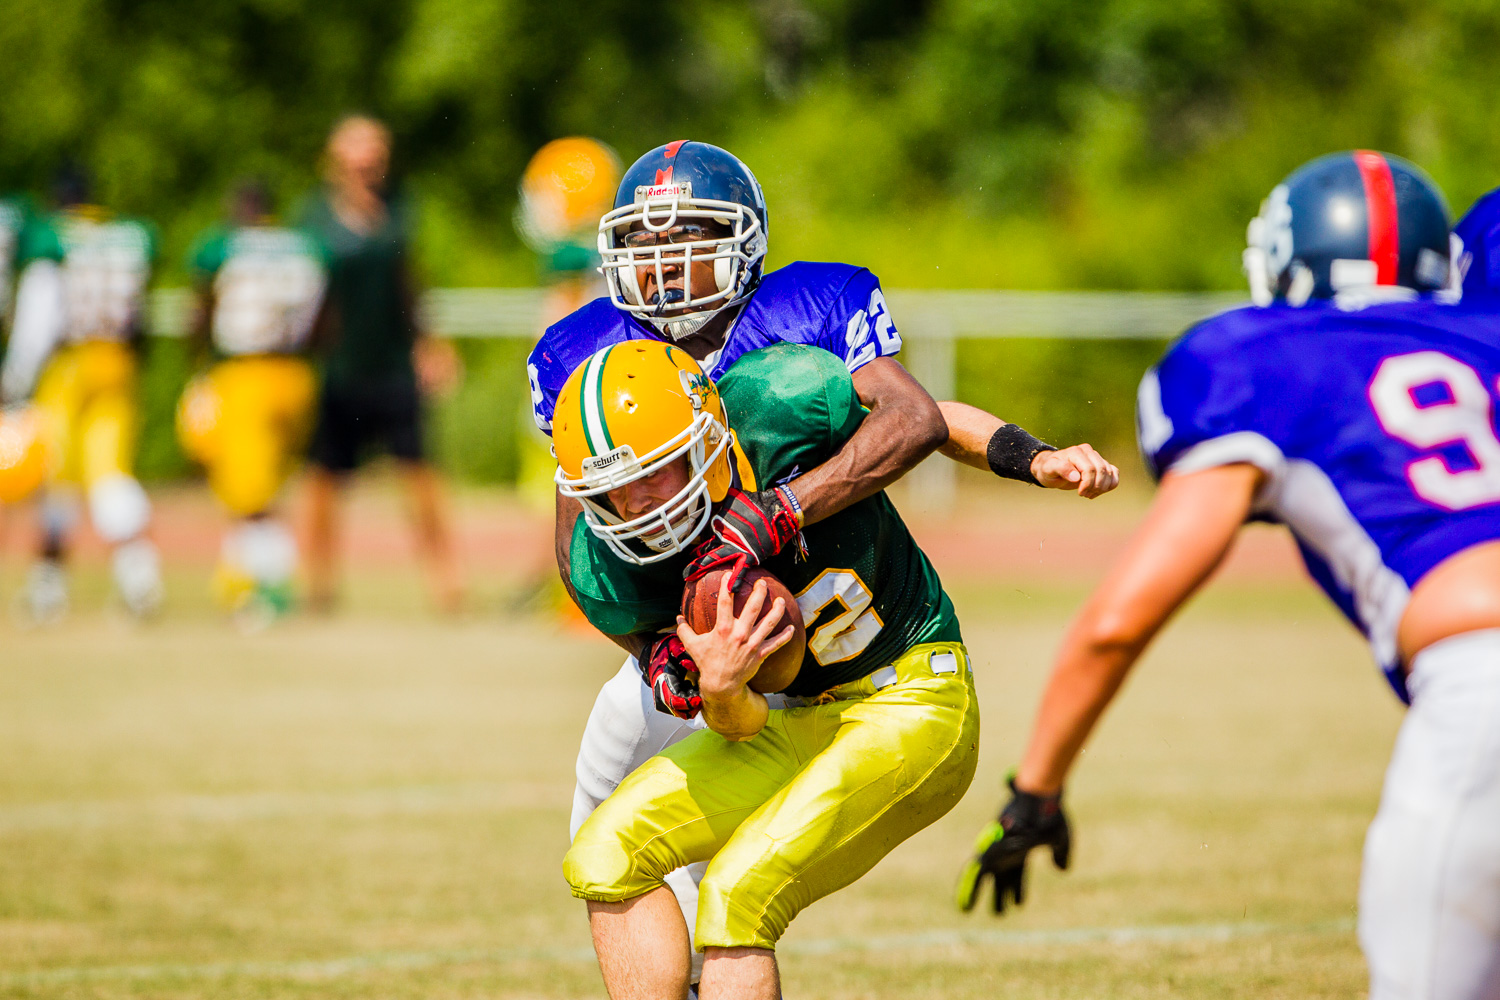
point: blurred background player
(22, 451)
(73, 351)
(1355, 407)
(259, 288)
(12, 221)
(378, 362)
(566, 187)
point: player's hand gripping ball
(673, 678)
(1027, 821)
(700, 607)
(748, 529)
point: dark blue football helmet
(1476, 248)
(1360, 223)
(680, 204)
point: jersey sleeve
(791, 406)
(545, 373)
(1478, 238)
(858, 327)
(206, 255)
(620, 598)
(40, 240)
(1197, 409)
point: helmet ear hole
(724, 267)
(630, 288)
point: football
(700, 606)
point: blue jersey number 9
(1465, 416)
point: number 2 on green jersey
(846, 635)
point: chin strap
(681, 328)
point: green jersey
(369, 284)
(106, 266)
(866, 591)
(267, 283)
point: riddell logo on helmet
(664, 192)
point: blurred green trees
(943, 143)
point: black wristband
(1010, 452)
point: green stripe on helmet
(591, 399)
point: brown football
(700, 606)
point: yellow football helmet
(23, 454)
(567, 185)
(628, 412)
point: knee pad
(598, 867)
(119, 508)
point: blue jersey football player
(683, 252)
(1476, 245)
(1353, 405)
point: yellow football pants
(86, 399)
(262, 409)
(805, 808)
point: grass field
(376, 805)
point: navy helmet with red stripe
(1360, 222)
(682, 203)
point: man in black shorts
(377, 363)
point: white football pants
(1429, 895)
(623, 732)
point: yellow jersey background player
(79, 304)
(259, 288)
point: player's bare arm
(971, 441)
(200, 322)
(568, 510)
(1189, 529)
(904, 427)
(1186, 534)
(728, 658)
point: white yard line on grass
(243, 806)
(355, 964)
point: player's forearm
(1186, 535)
(200, 326)
(562, 542)
(1088, 674)
(969, 433)
(635, 645)
(735, 715)
(904, 426)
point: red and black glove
(748, 529)
(673, 677)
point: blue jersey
(837, 307)
(1375, 429)
(1479, 260)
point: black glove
(1027, 821)
(673, 677)
(748, 529)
